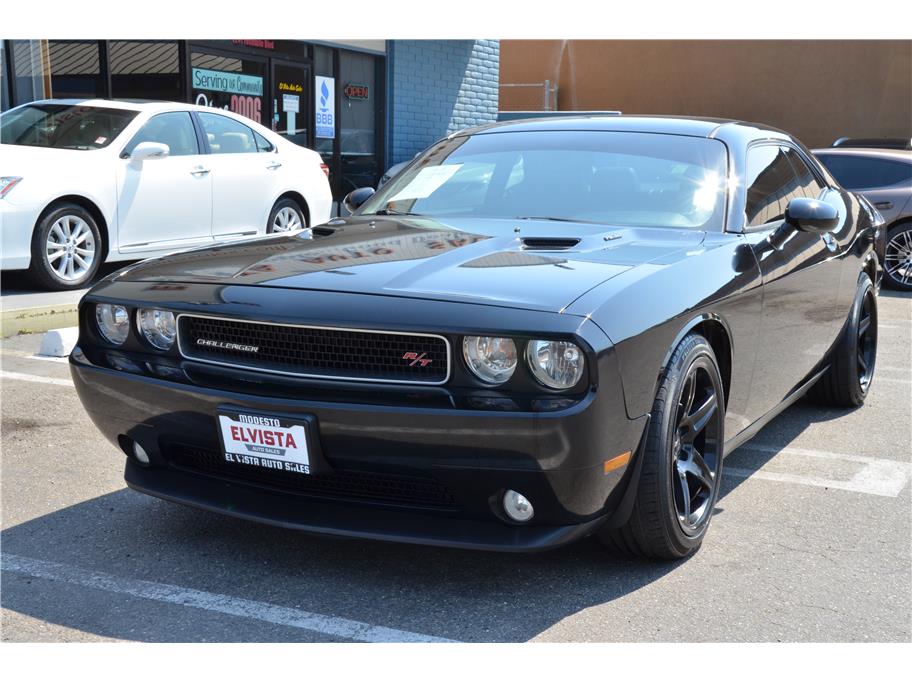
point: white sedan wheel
(286, 220)
(70, 249)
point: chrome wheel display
(898, 259)
(286, 220)
(867, 341)
(70, 249)
(696, 456)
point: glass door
(291, 110)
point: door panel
(801, 282)
(243, 177)
(164, 203)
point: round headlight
(113, 322)
(157, 326)
(492, 359)
(556, 364)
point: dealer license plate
(265, 441)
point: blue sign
(325, 111)
(225, 81)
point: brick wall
(436, 87)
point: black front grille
(360, 486)
(316, 352)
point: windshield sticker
(100, 140)
(426, 182)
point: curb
(33, 320)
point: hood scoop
(549, 243)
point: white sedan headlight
(556, 364)
(157, 326)
(492, 359)
(113, 322)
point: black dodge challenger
(538, 331)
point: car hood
(495, 262)
(20, 160)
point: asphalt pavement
(811, 541)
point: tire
(898, 259)
(678, 460)
(66, 248)
(848, 379)
(286, 216)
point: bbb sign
(325, 109)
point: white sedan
(88, 181)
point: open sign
(355, 91)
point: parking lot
(810, 542)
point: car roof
(895, 154)
(695, 126)
(128, 104)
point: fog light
(517, 507)
(140, 453)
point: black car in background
(538, 331)
(883, 177)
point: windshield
(63, 126)
(619, 178)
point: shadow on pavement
(463, 595)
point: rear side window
(263, 145)
(174, 129)
(810, 185)
(227, 136)
(859, 172)
(771, 184)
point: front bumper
(16, 226)
(418, 465)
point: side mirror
(146, 151)
(354, 199)
(810, 215)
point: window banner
(325, 111)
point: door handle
(884, 204)
(198, 170)
(274, 165)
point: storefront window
(4, 80)
(358, 85)
(145, 70)
(57, 68)
(290, 101)
(227, 82)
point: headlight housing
(556, 364)
(491, 358)
(157, 326)
(113, 322)
(7, 183)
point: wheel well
(716, 334)
(300, 201)
(93, 210)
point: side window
(174, 129)
(263, 145)
(858, 172)
(810, 185)
(227, 136)
(771, 184)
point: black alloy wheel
(848, 378)
(681, 468)
(866, 345)
(696, 450)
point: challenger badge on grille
(226, 345)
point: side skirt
(751, 431)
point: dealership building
(363, 105)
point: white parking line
(883, 477)
(209, 601)
(34, 378)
